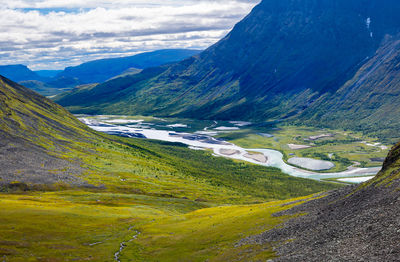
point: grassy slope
(127, 183)
(154, 195)
(82, 226)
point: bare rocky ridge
(27, 163)
(34, 134)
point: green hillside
(70, 193)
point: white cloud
(58, 33)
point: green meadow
(161, 201)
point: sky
(53, 34)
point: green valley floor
(148, 201)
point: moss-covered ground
(89, 226)
(187, 205)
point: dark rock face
(351, 224)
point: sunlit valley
(268, 133)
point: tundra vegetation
(93, 194)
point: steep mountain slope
(370, 100)
(98, 71)
(34, 133)
(352, 224)
(275, 63)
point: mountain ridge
(98, 71)
(52, 82)
(34, 133)
(274, 64)
(20, 73)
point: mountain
(351, 224)
(42, 143)
(43, 82)
(34, 133)
(279, 61)
(48, 73)
(135, 195)
(98, 71)
(369, 100)
(19, 73)
(52, 82)
(87, 195)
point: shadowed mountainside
(283, 58)
(369, 101)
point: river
(202, 141)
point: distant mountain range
(99, 71)
(287, 60)
(20, 73)
(51, 82)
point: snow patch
(368, 23)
